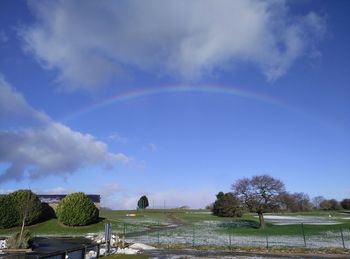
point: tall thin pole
(302, 230)
(342, 236)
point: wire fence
(209, 235)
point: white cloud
(6, 191)
(13, 105)
(115, 136)
(49, 148)
(55, 190)
(93, 42)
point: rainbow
(211, 89)
(144, 92)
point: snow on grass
(289, 220)
(208, 233)
(199, 212)
(136, 224)
(332, 240)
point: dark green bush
(227, 205)
(47, 212)
(345, 204)
(27, 205)
(76, 209)
(143, 202)
(8, 213)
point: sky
(175, 100)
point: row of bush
(228, 205)
(21, 206)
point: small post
(342, 236)
(193, 236)
(303, 232)
(158, 233)
(98, 251)
(267, 240)
(83, 252)
(108, 234)
(229, 237)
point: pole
(158, 232)
(193, 236)
(267, 240)
(229, 237)
(303, 232)
(342, 236)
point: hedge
(8, 213)
(27, 204)
(77, 209)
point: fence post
(83, 252)
(98, 251)
(158, 232)
(229, 236)
(193, 236)
(267, 240)
(303, 232)
(342, 236)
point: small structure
(54, 199)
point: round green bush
(76, 209)
(8, 213)
(227, 205)
(27, 206)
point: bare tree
(259, 194)
(294, 202)
(24, 211)
(316, 201)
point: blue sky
(174, 99)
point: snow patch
(310, 220)
(127, 251)
(140, 246)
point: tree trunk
(21, 234)
(261, 220)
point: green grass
(296, 229)
(53, 227)
(151, 218)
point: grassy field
(157, 226)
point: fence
(209, 235)
(91, 251)
(82, 252)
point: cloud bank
(49, 147)
(92, 42)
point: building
(54, 199)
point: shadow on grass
(100, 219)
(244, 223)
